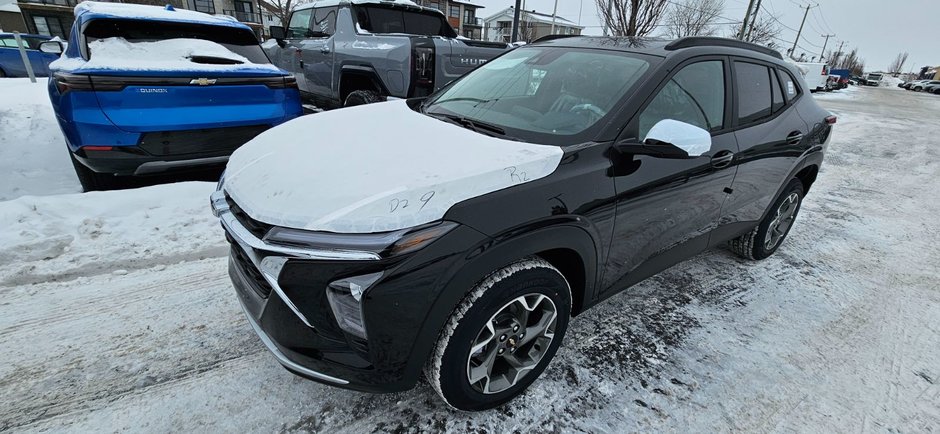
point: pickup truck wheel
(91, 180)
(2, 74)
(766, 238)
(501, 337)
(361, 97)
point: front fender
(489, 256)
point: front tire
(502, 336)
(767, 237)
(362, 97)
(91, 180)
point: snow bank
(169, 54)
(33, 156)
(101, 232)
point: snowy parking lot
(116, 311)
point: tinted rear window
(238, 41)
(754, 96)
(382, 19)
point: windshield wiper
(478, 101)
(474, 125)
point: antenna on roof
(170, 8)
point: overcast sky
(879, 29)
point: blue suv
(144, 90)
(11, 62)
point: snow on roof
(168, 54)
(331, 3)
(535, 16)
(9, 6)
(126, 10)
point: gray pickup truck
(351, 52)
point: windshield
(220, 44)
(541, 94)
(388, 19)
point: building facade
(461, 15)
(11, 19)
(533, 25)
(54, 17)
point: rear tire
(362, 97)
(767, 237)
(515, 319)
(2, 74)
(91, 180)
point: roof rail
(702, 41)
(553, 37)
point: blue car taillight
(66, 82)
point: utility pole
(747, 16)
(515, 22)
(753, 21)
(805, 14)
(823, 52)
(554, 14)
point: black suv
(456, 235)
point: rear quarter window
(791, 88)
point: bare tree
(851, 62)
(631, 17)
(898, 63)
(693, 18)
(283, 8)
(765, 31)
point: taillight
(830, 120)
(97, 148)
(823, 70)
(65, 82)
(288, 82)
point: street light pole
(554, 14)
(805, 14)
(747, 16)
(823, 52)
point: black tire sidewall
(361, 97)
(759, 251)
(453, 376)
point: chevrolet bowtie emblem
(202, 81)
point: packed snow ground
(116, 312)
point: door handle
(795, 138)
(722, 159)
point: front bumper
(287, 305)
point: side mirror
(671, 139)
(277, 32)
(693, 140)
(51, 47)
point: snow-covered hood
(374, 168)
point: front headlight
(385, 244)
(345, 297)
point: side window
(754, 96)
(324, 22)
(695, 95)
(8, 43)
(778, 102)
(299, 23)
(790, 88)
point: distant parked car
(932, 88)
(143, 90)
(919, 86)
(873, 79)
(11, 63)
